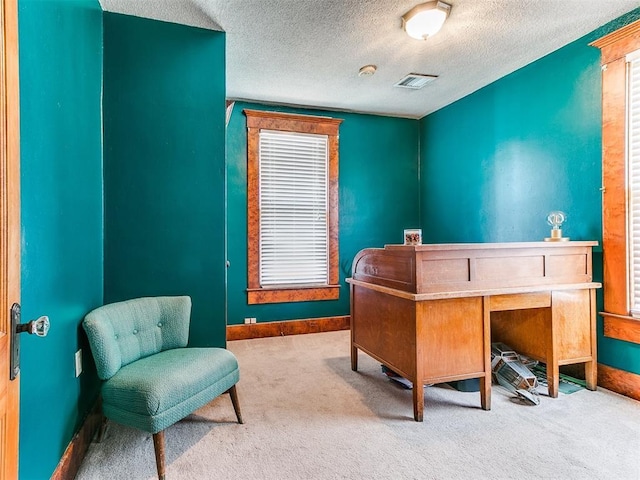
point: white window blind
(294, 232)
(633, 169)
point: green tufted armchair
(151, 380)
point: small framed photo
(413, 236)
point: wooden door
(10, 232)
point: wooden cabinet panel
(452, 333)
(446, 270)
(510, 268)
(567, 265)
(520, 301)
(572, 322)
(386, 329)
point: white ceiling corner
(185, 12)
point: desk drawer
(520, 301)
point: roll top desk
(430, 312)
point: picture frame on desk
(413, 236)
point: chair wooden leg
(158, 445)
(236, 404)
(102, 430)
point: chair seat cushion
(157, 391)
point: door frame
(10, 231)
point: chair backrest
(123, 332)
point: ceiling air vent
(415, 81)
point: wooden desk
(430, 312)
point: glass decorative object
(556, 219)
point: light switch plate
(78, 362)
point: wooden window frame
(618, 323)
(257, 120)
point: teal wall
(497, 161)
(60, 45)
(486, 168)
(378, 178)
(164, 114)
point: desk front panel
(428, 341)
(451, 338)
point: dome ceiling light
(425, 20)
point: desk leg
(354, 349)
(591, 368)
(485, 393)
(418, 401)
(558, 314)
(553, 369)
(485, 382)
(354, 358)
(591, 375)
(552, 381)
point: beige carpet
(308, 416)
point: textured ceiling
(308, 52)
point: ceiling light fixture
(425, 20)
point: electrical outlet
(247, 320)
(253, 319)
(78, 362)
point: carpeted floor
(308, 416)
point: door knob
(39, 327)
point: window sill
(296, 294)
(621, 327)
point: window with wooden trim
(292, 189)
(620, 58)
(633, 183)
